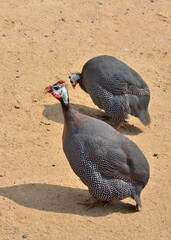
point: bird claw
(122, 125)
(90, 203)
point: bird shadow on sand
(60, 199)
(53, 112)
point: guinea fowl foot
(122, 125)
(89, 203)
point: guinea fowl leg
(122, 125)
(104, 117)
(90, 203)
(106, 203)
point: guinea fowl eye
(55, 87)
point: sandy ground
(42, 41)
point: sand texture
(42, 41)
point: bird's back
(109, 71)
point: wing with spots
(120, 83)
(118, 159)
(108, 156)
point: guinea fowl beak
(48, 89)
(74, 84)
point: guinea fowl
(108, 163)
(114, 87)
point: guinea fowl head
(74, 79)
(58, 90)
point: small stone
(53, 165)
(155, 154)
(126, 49)
(45, 35)
(17, 107)
(62, 19)
(1, 175)
(3, 35)
(24, 235)
(45, 123)
(17, 77)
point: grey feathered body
(109, 164)
(116, 88)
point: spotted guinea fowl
(114, 87)
(108, 163)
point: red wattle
(56, 95)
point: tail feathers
(144, 117)
(135, 194)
